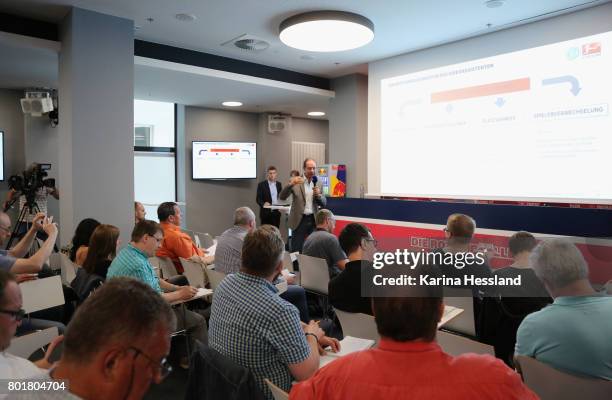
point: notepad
(350, 345)
(450, 312)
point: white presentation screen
(528, 125)
(224, 160)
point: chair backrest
(41, 294)
(455, 344)
(67, 267)
(24, 346)
(277, 393)
(287, 263)
(314, 274)
(84, 284)
(194, 272)
(358, 325)
(166, 266)
(215, 278)
(552, 384)
(206, 240)
(55, 261)
(465, 322)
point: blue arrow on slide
(565, 79)
(500, 102)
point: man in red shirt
(177, 243)
(409, 364)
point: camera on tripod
(31, 181)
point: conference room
(423, 133)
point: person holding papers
(133, 261)
(408, 363)
(253, 326)
(267, 195)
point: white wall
(11, 122)
(581, 23)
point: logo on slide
(572, 53)
(591, 49)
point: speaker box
(36, 106)
(278, 123)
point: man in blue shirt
(572, 334)
(267, 194)
(133, 261)
(257, 329)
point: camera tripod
(30, 207)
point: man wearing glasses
(345, 290)
(11, 316)
(116, 345)
(323, 244)
(12, 260)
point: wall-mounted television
(223, 160)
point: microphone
(314, 180)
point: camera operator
(42, 188)
(12, 260)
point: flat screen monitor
(224, 160)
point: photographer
(33, 190)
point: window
(154, 154)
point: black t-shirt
(345, 289)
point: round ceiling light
(231, 103)
(316, 113)
(326, 31)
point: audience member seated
(228, 257)
(11, 315)
(503, 314)
(408, 363)
(80, 241)
(103, 247)
(257, 329)
(139, 212)
(177, 244)
(116, 345)
(572, 334)
(133, 261)
(12, 260)
(345, 290)
(323, 244)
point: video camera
(31, 181)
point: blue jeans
(297, 296)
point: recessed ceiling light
(185, 17)
(326, 31)
(316, 113)
(231, 103)
(494, 3)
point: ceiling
(401, 26)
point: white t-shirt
(13, 367)
(308, 186)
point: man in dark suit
(267, 194)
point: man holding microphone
(307, 199)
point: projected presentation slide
(528, 125)
(224, 160)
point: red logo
(591, 49)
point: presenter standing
(267, 194)
(307, 199)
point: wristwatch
(313, 335)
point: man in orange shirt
(408, 363)
(177, 243)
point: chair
(214, 277)
(165, 265)
(67, 267)
(314, 274)
(205, 239)
(194, 272)
(24, 346)
(358, 325)
(277, 393)
(55, 261)
(41, 294)
(287, 263)
(465, 322)
(551, 384)
(456, 345)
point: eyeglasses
(159, 239)
(163, 366)
(374, 241)
(17, 315)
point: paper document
(450, 312)
(350, 345)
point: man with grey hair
(228, 257)
(116, 344)
(323, 244)
(229, 244)
(573, 334)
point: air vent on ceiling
(247, 42)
